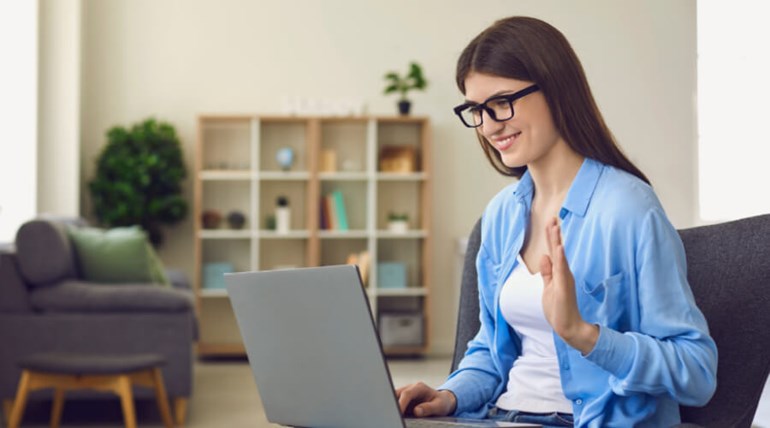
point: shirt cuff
(614, 352)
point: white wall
(175, 59)
(58, 159)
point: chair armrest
(81, 296)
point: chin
(513, 162)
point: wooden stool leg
(7, 407)
(20, 401)
(58, 405)
(161, 397)
(126, 400)
(180, 410)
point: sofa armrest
(81, 296)
(178, 279)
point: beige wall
(58, 176)
(175, 59)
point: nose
(489, 126)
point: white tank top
(534, 382)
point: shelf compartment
(401, 197)
(347, 141)
(225, 197)
(295, 191)
(227, 144)
(336, 252)
(342, 234)
(292, 234)
(284, 175)
(405, 176)
(275, 135)
(354, 194)
(282, 254)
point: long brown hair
(529, 49)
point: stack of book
(333, 214)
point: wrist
(583, 337)
(451, 400)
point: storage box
(214, 274)
(401, 329)
(391, 275)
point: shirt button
(578, 402)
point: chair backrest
(728, 268)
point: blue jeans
(547, 420)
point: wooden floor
(225, 396)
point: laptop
(314, 351)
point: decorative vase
(211, 219)
(236, 220)
(282, 215)
(403, 107)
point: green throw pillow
(118, 255)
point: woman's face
(526, 138)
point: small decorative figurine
(211, 219)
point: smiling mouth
(507, 142)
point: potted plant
(403, 84)
(398, 222)
(138, 178)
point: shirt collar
(580, 192)
(582, 189)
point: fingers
(421, 400)
(555, 247)
(411, 395)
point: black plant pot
(403, 107)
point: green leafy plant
(403, 84)
(138, 178)
(394, 216)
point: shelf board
(292, 234)
(409, 291)
(213, 292)
(399, 176)
(224, 234)
(223, 174)
(342, 234)
(343, 176)
(410, 234)
(284, 176)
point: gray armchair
(45, 306)
(728, 268)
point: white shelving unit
(236, 171)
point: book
(323, 214)
(331, 209)
(339, 206)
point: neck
(553, 173)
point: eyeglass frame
(490, 111)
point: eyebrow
(496, 94)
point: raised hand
(559, 300)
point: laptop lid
(313, 348)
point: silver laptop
(315, 353)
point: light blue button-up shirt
(654, 351)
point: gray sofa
(46, 306)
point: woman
(586, 314)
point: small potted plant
(403, 84)
(398, 222)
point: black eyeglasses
(499, 108)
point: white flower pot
(398, 226)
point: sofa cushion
(14, 296)
(44, 252)
(119, 255)
(79, 296)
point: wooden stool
(118, 373)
